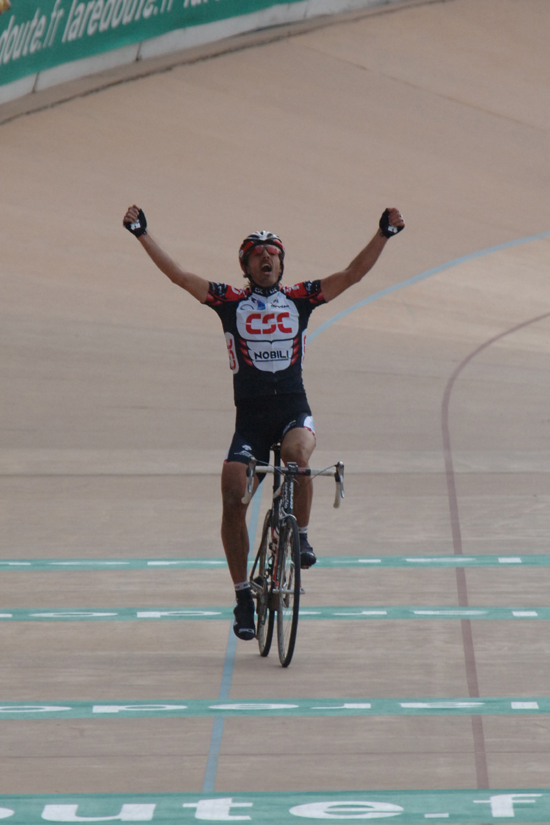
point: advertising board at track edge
(410, 807)
(37, 35)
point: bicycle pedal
(257, 586)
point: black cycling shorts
(264, 421)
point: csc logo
(258, 324)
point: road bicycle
(275, 575)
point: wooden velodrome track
(117, 411)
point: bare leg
(235, 543)
(298, 445)
(234, 530)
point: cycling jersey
(265, 332)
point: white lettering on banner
(111, 12)
(29, 34)
(6, 615)
(15, 40)
(71, 12)
(250, 706)
(56, 16)
(347, 706)
(145, 708)
(128, 813)
(503, 804)
(5, 812)
(217, 809)
(524, 613)
(158, 614)
(84, 18)
(524, 705)
(95, 17)
(510, 560)
(76, 22)
(35, 42)
(347, 810)
(31, 708)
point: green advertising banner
(407, 807)
(40, 34)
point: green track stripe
(373, 562)
(124, 614)
(365, 562)
(409, 807)
(274, 707)
(130, 614)
(111, 564)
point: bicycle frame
(282, 505)
(275, 575)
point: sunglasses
(273, 250)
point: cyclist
(265, 325)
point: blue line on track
(417, 278)
(227, 675)
(213, 753)
(217, 731)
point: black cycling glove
(139, 227)
(388, 231)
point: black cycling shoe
(243, 626)
(307, 556)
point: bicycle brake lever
(339, 478)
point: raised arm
(391, 223)
(134, 221)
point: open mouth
(267, 268)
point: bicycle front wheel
(261, 586)
(288, 600)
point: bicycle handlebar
(337, 470)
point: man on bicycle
(265, 327)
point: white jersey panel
(268, 325)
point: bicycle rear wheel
(288, 600)
(261, 584)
